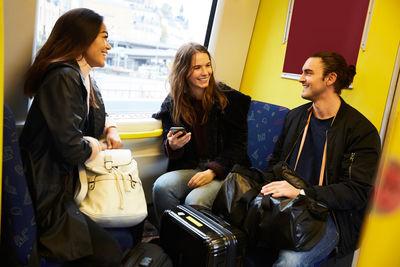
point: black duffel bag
(240, 187)
(286, 223)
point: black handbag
(286, 223)
(240, 187)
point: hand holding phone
(176, 129)
(178, 137)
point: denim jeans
(308, 258)
(171, 189)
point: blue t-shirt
(309, 165)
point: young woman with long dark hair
(62, 130)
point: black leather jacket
(52, 145)
(227, 133)
(353, 150)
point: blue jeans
(171, 189)
(308, 258)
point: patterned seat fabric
(265, 123)
(18, 218)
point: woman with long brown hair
(62, 130)
(214, 117)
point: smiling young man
(338, 158)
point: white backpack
(110, 190)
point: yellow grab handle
(137, 135)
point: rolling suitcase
(196, 237)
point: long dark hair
(71, 36)
(333, 62)
(180, 92)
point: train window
(144, 36)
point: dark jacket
(227, 133)
(52, 145)
(353, 149)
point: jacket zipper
(337, 229)
(352, 156)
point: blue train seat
(18, 231)
(265, 123)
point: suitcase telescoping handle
(217, 224)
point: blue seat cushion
(18, 218)
(265, 123)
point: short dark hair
(334, 62)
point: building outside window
(144, 36)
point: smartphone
(174, 130)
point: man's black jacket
(353, 149)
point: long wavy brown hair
(71, 36)
(180, 91)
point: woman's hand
(112, 138)
(175, 143)
(201, 178)
(103, 146)
(280, 189)
(96, 145)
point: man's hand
(280, 189)
(201, 178)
